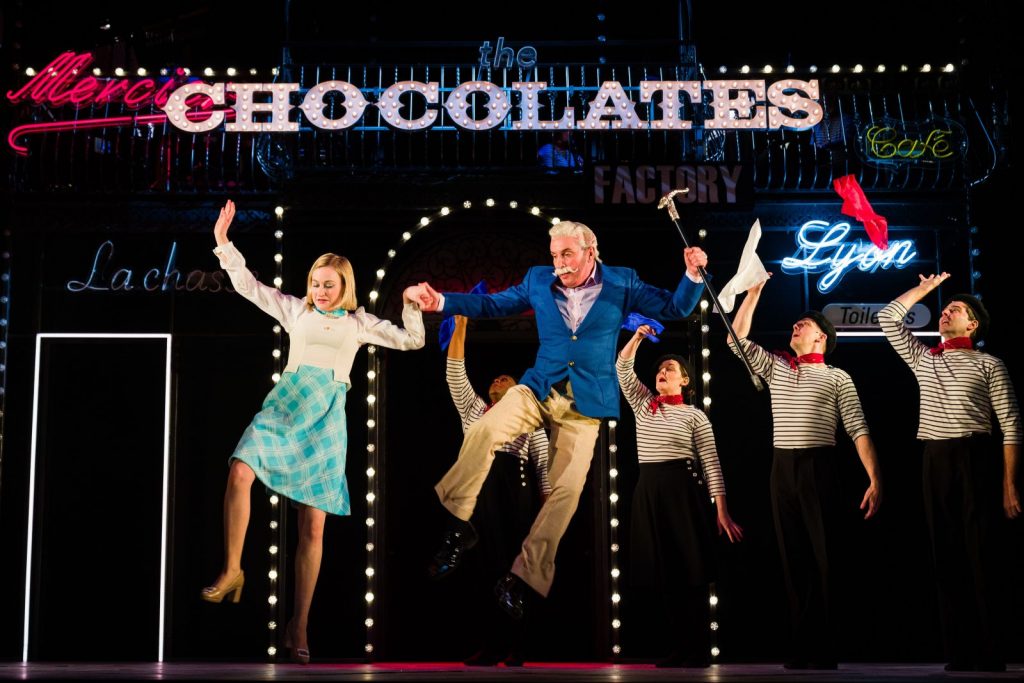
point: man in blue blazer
(579, 309)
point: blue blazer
(586, 357)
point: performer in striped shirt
(671, 529)
(809, 398)
(509, 500)
(960, 389)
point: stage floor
(446, 671)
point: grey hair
(584, 235)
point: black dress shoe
(513, 659)
(511, 594)
(453, 547)
(483, 657)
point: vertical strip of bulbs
(5, 317)
(277, 511)
(705, 376)
(613, 499)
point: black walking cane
(668, 202)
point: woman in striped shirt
(671, 528)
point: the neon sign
(822, 248)
(475, 105)
(166, 279)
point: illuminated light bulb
(813, 69)
(369, 597)
(273, 524)
(208, 71)
(369, 623)
(370, 448)
(406, 235)
(370, 472)
(231, 71)
(705, 352)
(272, 625)
(278, 258)
(835, 68)
(272, 575)
(276, 353)
(790, 69)
(705, 328)
(271, 650)
(141, 71)
(272, 550)
(369, 571)
(949, 68)
(858, 68)
(616, 649)
(276, 377)
(272, 599)
(423, 221)
(614, 522)
(445, 211)
(368, 647)
(613, 449)
(616, 598)
(278, 211)
(556, 221)
(613, 473)
(371, 399)
(370, 497)
(707, 400)
(904, 67)
(767, 68)
(714, 625)
(277, 329)
(252, 72)
(370, 521)
(95, 72)
(467, 204)
(713, 600)
(371, 424)
(535, 211)
(119, 72)
(612, 424)
(926, 68)
(391, 253)
(614, 497)
(278, 234)
(706, 376)
(616, 623)
(703, 304)
(880, 68)
(489, 202)
(371, 374)
(715, 652)
(513, 204)
(380, 272)
(745, 69)
(615, 547)
(615, 573)
(278, 281)
(374, 294)
(722, 69)
(369, 547)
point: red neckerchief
(954, 343)
(794, 361)
(672, 400)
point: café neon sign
(476, 105)
(822, 248)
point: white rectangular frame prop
(32, 474)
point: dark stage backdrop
(222, 365)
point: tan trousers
(572, 447)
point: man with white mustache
(579, 309)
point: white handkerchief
(750, 272)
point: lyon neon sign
(199, 107)
(822, 248)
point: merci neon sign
(823, 248)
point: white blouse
(316, 339)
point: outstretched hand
(929, 283)
(220, 229)
(643, 332)
(426, 296)
(730, 528)
(872, 500)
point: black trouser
(962, 499)
(505, 509)
(804, 492)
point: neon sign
(822, 248)
(169, 278)
(929, 143)
(477, 105)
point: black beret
(826, 326)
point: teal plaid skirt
(298, 441)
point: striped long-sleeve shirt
(807, 403)
(959, 389)
(671, 432)
(471, 407)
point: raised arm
(220, 228)
(457, 345)
(744, 317)
(924, 287)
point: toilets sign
(196, 106)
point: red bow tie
(673, 400)
(954, 343)
(794, 361)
